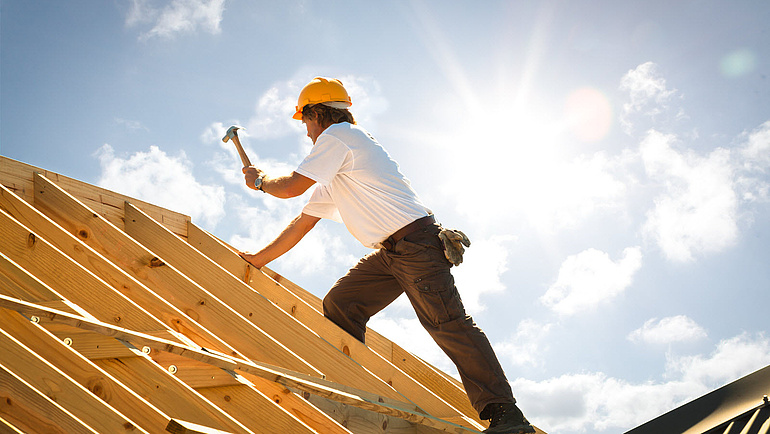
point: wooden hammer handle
(241, 152)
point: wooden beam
(185, 369)
(163, 279)
(280, 395)
(194, 373)
(68, 278)
(361, 421)
(24, 409)
(66, 359)
(108, 272)
(424, 385)
(247, 403)
(18, 177)
(161, 388)
(250, 304)
(181, 427)
(291, 402)
(58, 386)
(248, 368)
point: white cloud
(275, 108)
(411, 335)
(563, 195)
(648, 93)
(596, 402)
(162, 180)
(228, 163)
(483, 265)
(756, 151)
(131, 125)
(697, 212)
(754, 166)
(367, 98)
(525, 346)
(678, 328)
(178, 16)
(732, 358)
(551, 192)
(589, 278)
(319, 252)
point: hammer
(232, 133)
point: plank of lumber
(114, 393)
(453, 392)
(250, 304)
(18, 177)
(181, 427)
(58, 386)
(361, 421)
(393, 369)
(193, 373)
(246, 367)
(298, 406)
(69, 279)
(97, 264)
(101, 383)
(17, 282)
(163, 279)
(239, 398)
(212, 246)
(154, 392)
(24, 409)
(247, 403)
(291, 403)
(161, 388)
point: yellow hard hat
(321, 90)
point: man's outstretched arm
(294, 232)
(282, 187)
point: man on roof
(357, 183)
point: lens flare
(738, 63)
(588, 114)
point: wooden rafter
(144, 321)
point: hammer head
(231, 132)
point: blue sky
(609, 160)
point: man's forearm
(294, 232)
(286, 186)
(282, 186)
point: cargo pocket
(436, 299)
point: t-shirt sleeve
(325, 159)
(321, 205)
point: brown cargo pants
(416, 265)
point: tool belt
(415, 226)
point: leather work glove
(453, 244)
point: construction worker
(359, 185)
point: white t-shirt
(359, 185)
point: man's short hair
(326, 115)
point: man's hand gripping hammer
(232, 133)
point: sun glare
(529, 161)
(588, 114)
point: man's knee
(331, 307)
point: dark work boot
(505, 419)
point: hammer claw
(232, 133)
